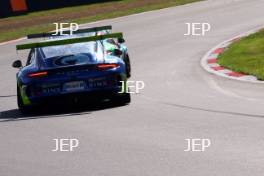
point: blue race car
(73, 68)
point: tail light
(38, 74)
(107, 66)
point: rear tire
(123, 99)
(128, 66)
(22, 108)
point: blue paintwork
(59, 74)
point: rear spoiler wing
(68, 41)
(80, 31)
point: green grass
(246, 56)
(128, 7)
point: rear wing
(80, 31)
(68, 41)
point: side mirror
(117, 52)
(121, 40)
(17, 64)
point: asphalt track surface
(147, 137)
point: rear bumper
(34, 93)
(87, 97)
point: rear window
(74, 60)
(71, 49)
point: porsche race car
(82, 66)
